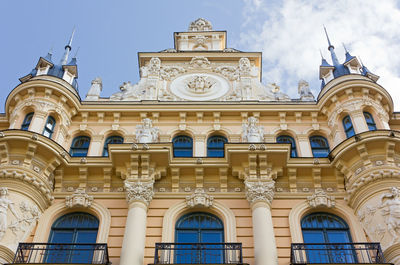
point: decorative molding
(139, 191)
(79, 199)
(260, 191)
(251, 132)
(199, 199)
(321, 199)
(200, 24)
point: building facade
(199, 162)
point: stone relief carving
(231, 72)
(95, 89)
(79, 199)
(304, 91)
(251, 132)
(199, 84)
(139, 191)
(154, 66)
(23, 225)
(200, 24)
(146, 133)
(321, 199)
(199, 62)
(260, 191)
(244, 66)
(5, 205)
(380, 217)
(199, 199)
(200, 43)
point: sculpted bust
(146, 133)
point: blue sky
(110, 33)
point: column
(359, 123)
(37, 123)
(138, 194)
(260, 195)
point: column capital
(138, 191)
(260, 191)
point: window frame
(371, 122)
(291, 141)
(316, 150)
(74, 150)
(107, 142)
(177, 149)
(211, 150)
(48, 130)
(26, 123)
(349, 130)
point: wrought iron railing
(336, 253)
(62, 253)
(198, 253)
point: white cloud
(290, 34)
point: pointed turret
(67, 48)
(331, 48)
(366, 72)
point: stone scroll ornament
(139, 191)
(146, 133)
(79, 199)
(199, 199)
(260, 191)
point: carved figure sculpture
(95, 89)
(304, 91)
(146, 133)
(5, 204)
(199, 84)
(390, 205)
(252, 133)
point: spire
(49, 54)
(331, 48)
(67, 49)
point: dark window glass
(199, 228)
(80, 146)
(49, 127)
(285, 139)
(348, 127)
(73, 228)
(319, 146)
(27, 121)
(183, 146)
(327, 228)
(215, 146)
(111, 140)
(370, 121)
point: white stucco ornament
(257, 191)
(146, 133)
(79, 199)
(304, 91)
(251, 132)
(199, 199)
(199, 87)
(95, 89)
(5, 205)
(200, 24)
(321, 199)
(139, 191)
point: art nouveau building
(202, 157)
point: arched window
(72, 228)
(111, 140)
(285, 139)
(27, 121)
(324, 229)
(348, 126)
(319, 146)
(80, 146)
(370, 121)
(183, 146)
(49, 127)
(199, 227)
(215, 146)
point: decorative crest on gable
(200, 24)
(199, 199)
(79, 199)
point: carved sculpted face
(3, 191)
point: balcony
(198, 253)
(50, 253)
(337, 253)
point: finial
(320, 52)
(70, 39)
(327, 37)
(345, 49)
(76, 53)
(51, 50)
